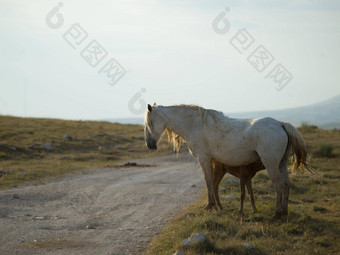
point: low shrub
(325, 151)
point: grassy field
(312, 226)
(36, 149)
(33, 149)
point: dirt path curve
(102, 211)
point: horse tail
(298, 145)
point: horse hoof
(208, 207)
(279, 215)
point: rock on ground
(196, 238)
(229, 197)
(46, 146)
(250, 248)
(178, 253)
(231, 180)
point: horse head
(154, 127)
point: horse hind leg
(279, 185)
(285, 198)
(285, 179)
(274, 162)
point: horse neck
(180, 120)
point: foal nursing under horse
(233, 142)
(244, 173)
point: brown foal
(244, 173)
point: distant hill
(325, 114)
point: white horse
(234, 142)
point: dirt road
(101, 211)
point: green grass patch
(319, 209)
(326, 151)
(307, 128)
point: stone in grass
(38, 218)
(91, 226)
(256, 218)
(46, 146)
(195, 239)
(249, 248)
(187, 215)
(222, 189)
(178, 253)
(232, 180)
(229, 197)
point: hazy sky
(171, 54)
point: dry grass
(91, 144)
(312, 227)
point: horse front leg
(243, 193)
(218, 173)
(208, 176)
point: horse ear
(149, 108)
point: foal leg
(208, 176)
(251, 195)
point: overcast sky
(169, 52)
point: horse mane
(148, 122)
(203, 112)
(174, 139)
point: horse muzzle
(152, 146)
